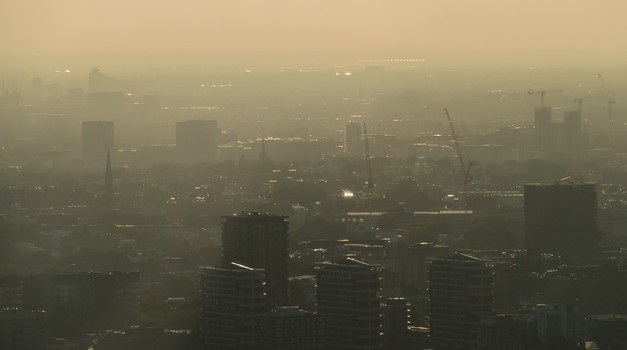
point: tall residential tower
(349, 300)
(460, 291)
(259, 241)
(353, 141)
(560, 217)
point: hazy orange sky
(162, 26)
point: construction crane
(369, 181)
(542, 93)
(610, 100)
(467, 176)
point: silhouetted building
(535, 326)
(232, 297)
(260, 241)
(108, 185)
(197, 141)
(413, 263)
(290, 328)
(560, 217)
(97, 142)
(460, 291)
(99, 81)
(418, 338)
(395, 323)
(573, 140)
(545, 133)
(508, 332)
(555, 324)
(607, 329)
(22, 330)
(263, 155)
(348, 294)
(76, 302)
(353, 141)
(265, 162)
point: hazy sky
(161, 26)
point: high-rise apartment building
(413, 263)
(572, 136)
(108, 186)
(544, 130)
(99, 81)
(353, 141)
(232, 297)
(560, 217)
(97, 143)
(508, 332)
(260, 241)
(76, 301)
(197, 141)
(534, 326)
(396, 324)
(348, 294)
(460, 291)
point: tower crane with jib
(610, 100)
(542, 93)
(467, 176)
(369, 181)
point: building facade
(290, 328)
(396, 323)
(349, 300)
(232, 297)
(560, 217)
(76, 302)
(144, 338)
(260, 241)
(353, 138)
(544, 130)
(22, 329)
(460, 291)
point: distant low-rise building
(76, 301)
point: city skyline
(291, 174)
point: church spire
(263, 156)
(108, 195)
(265, 163)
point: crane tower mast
(467, 177)
(369, 180)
